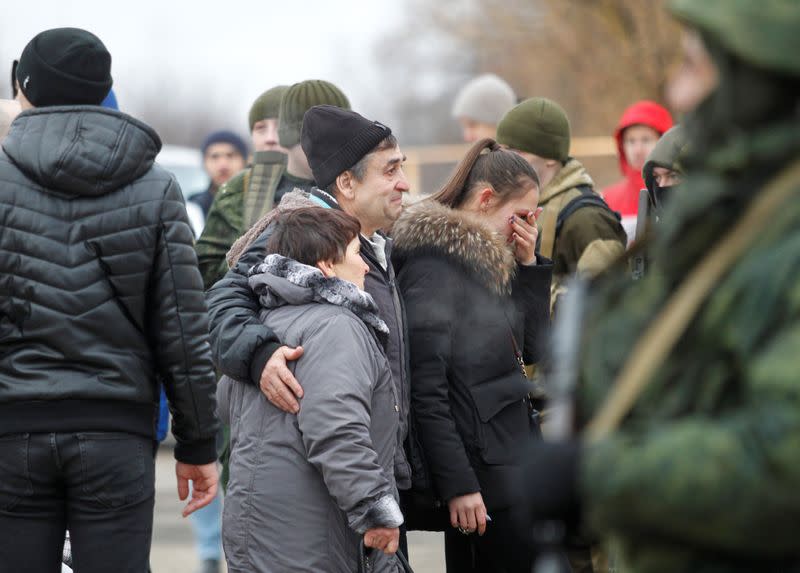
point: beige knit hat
(486, 99)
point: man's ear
(345, 184)
(327, 268)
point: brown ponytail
(504, 171)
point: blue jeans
(99, 485)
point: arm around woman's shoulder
(339, 370)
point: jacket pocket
(502, 417)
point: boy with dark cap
(577, 229)
(255, 191)
(358, 166)
(224, 154)
(101, 303)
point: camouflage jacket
(588, 241)
(703, 474)
(238, 204)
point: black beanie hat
(65, 66)
(335, 139)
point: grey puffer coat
(304, 488)
(100, 296)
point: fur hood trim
(428, 227)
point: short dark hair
(359, 170)
(313, 234)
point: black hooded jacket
(100, 296)
(470, 309)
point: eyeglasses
(14, 65)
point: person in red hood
(638, 131)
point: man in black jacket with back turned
(100, 303)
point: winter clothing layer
(702, 474)
(335, 139)
(589, 240)
(266, 106)
(242, 344)
(305, 487)
(297, 100)
(204, 199)
(623, 196)
(64, 66)
(468, 304)
(485, 98)
(101, 297)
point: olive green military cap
(537, 125)
(763, 33)
(267, 105)
(298, 99)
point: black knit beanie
(65, 66)
(335, 139)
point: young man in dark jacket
(101, 302)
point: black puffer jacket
(465, 296)
(100, 296)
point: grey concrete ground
(173, 551)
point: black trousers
(99, 485)
(502, 549)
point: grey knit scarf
(331, 290)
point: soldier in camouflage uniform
(703, 473)
(577, 229)
(246, 197)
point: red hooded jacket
(623, 196)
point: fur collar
(430, 227)
(280, 281)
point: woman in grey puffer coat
(305, 488)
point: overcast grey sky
(225, 52)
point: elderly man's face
(377, 200)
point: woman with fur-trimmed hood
(477, 302)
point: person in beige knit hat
(481, 104)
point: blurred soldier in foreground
(690, 461)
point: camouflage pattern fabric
(239, 203)
(702, 475)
